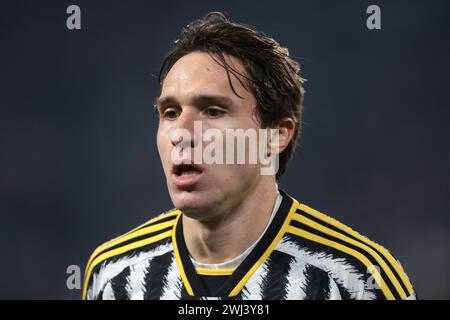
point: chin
(185, 200)
(192, 203)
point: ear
(284, 133)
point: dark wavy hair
(272, 76)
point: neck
(232, 230)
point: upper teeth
(188, 172)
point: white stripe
(108, 270)
(340, 269)
(135, 286)
(296, 281)
(108, 293)
(254, 284)
(172, 291)
(334, 291)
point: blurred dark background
(78, 158)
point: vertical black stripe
(275, 283)
(155, 279)
(100, 295)
(119, 283)
(317, 283)
(345, 294)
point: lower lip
(186, 180)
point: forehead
(198, 73)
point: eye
(170, 114)
(214, 112)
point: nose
(183, 134)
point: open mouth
(186, 170)
(186, 175)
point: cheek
(158, 141)
(232, 174)
(162, 144)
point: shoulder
(361, 268)
(147, 240)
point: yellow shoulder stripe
(354, 253)
(358, 244)
(141, 230)
(121, 250)
(363, 239)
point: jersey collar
(236, 281)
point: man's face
(197, 89)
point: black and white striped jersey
(304, 254)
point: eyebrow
(201, 99)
